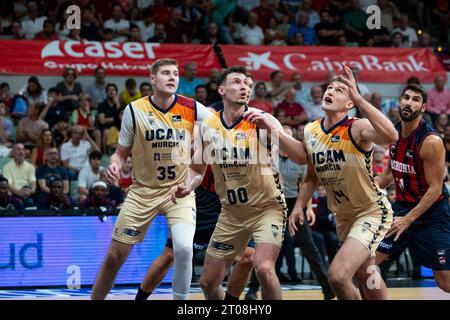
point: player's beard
(412, 115)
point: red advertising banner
(386, 65)
(122, 59)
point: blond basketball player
(339, 152)
(157, 130)
(253, 203)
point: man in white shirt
(147, 25)
(74, 153)
(313, 107)
(120, 26)
(252, 34)
(32, 23)
(409, 34)
(89, 174)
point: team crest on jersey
(409, 153)
(442, 260)
(176, 118)
(150, 118)
(336, 138)
(441, 252)
(365, 226)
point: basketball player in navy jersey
(421, 210)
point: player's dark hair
(235, 69)
(416, 88)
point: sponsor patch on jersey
(157, 157)
(441, 252)
(176, 118)
(409, 153)
(336, 138)
(241, 135)
(222, 246)
(442, 260)
(131, 232)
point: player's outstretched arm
(307, 189)
(377, 128)
(289, 145)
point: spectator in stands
(146, 89)
(61, 17)
(51, 169)
(380, 161)
(74, 35)
(113, 132)
(260, 100)
(276, 88)
(8, 202)
(90, 28)
(313, 16)
(33, 91)
(252, 34)
(441, 124)
(362, 88)
(74, 153)
(396, 40)
(107, 110)
(327, 30)
(30, 127)
(377, 37)
(161, 12)
(147, 24)
(21, 175)
(424, 40)
(56, 199)
(220, 10)
(97, 197)
(325, 227)
(160, 35)
(84, 116)
(201, 94)
(69, 90)
(32, 23)
(176, 28)
(89, 174)
(213, 94)
(309, 34)
(279, 39)
(53, 111)
(60, 131)
(388, 12)
(189, 81)
(438, 99)
(6, 126)
(313, 106)
(264, 12)
(118, 24)
(16, 31)
(354, 22)
(97, 89)
(135, 34)
(302, 94)
(48, 33)
(130, 93)
(126, 176)
(108, 35)
(5, 95)
(408, 33)
(191, 16)
(290, 112)
(212, 35)
(394, 114)
(44, 142)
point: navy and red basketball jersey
(407, 167)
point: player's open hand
(349, 80)
(112, 174)
(179, 191)
(297, 216)
(399, 226)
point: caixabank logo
(27, 255)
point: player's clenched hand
(179, 191)
(112, 173)
(297, 216)
(310, 216)
(399, 226)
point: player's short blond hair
(162, 62)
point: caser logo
(94, 49)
